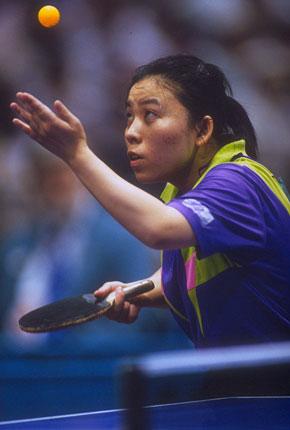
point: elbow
(169, 238)
(156, 241)
(167, 232)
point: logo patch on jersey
(200, 210)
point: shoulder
(229, 172)
(229, 179)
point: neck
(200, 161)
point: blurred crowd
(55, 240)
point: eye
(150, 115)
(129, 115)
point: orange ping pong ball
(48, 16)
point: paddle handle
(138, 287)
(133, 289)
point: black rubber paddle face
(64, 313)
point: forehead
(149, 89)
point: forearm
(60, 132)
(143, 215)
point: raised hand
(58, 130)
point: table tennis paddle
(76, 310)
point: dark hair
(204, 90)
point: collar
(224, 155)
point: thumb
(107, 288)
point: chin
(147, 179)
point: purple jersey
(234, 286)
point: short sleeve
(225, 213)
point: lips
(135, 159)
(133, 156)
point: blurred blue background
(52, 232)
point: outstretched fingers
(58, 130)
(30, 113)
(24, 127)
(21, 112)
(33, 106)
(64, 113)
(23, 119)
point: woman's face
(160, 142)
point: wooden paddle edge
(65, 324)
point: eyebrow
(147, 101)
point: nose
(133, 132)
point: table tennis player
(223, 224)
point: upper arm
(174, 231)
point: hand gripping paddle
(76, 310)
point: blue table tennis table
(253, 413)
(265, 410)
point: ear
(204, 130)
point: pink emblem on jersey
(190, 272)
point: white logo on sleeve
(200, 210)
